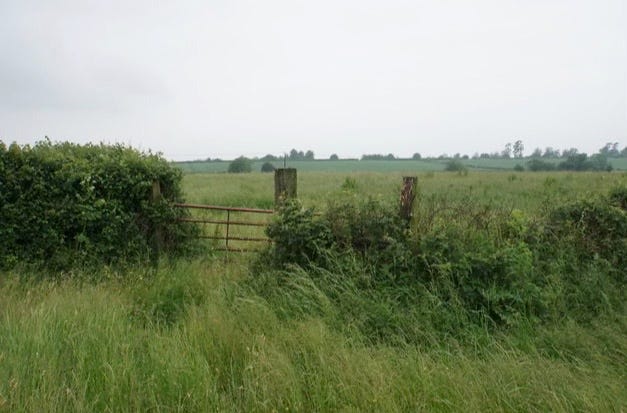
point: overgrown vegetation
(483, 265)
(64, 205)
(505, 293)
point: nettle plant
(64, 204)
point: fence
(285, 187)
(223, 226)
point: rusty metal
(228, 222)
(235, 238)
(225, 208)
(222, 222)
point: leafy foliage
(267, 167)
(63, 204)
(482, 264)
(241, 165)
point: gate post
(284, 184)
(407, 197)
(157, 235)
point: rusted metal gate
(227, 223)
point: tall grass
(194, 337)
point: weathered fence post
(157, 235)
(284, 184)
(407, 197)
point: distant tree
(240, 165)
(309, 155)
(334, 157)
(551, 153)
(537, 153)
(269, 158)
(536, 164)
(416, 156)
(567, 153)
(455, 165)
(484, 155)
(610, 149)
(519, 148)
(507, 152)
(267, 167)
(624, 152)
(581, 162)
(293, 154)
(377, 157)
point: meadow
(225, 332)
(397, 165)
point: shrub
(299, 236)
(267, 167)
(66, 203)
(241, 165)
(537, 165)
(455, 165)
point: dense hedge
(63, 204)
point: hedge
(63, 204)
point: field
(399, 165)
(223, 333)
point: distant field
(398, 165)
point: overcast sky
(198, 79)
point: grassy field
(400, 165)
(202, 335)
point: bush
(241, 165)
(267, 167)
(455, 166)
(64, 203)
(537, 165)
(299, 236)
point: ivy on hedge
(62, 204)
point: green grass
(523, 190)
(67, 346)
(200, 335)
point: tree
(416, 156)
(551, 153)
(610, 149)
(334, 157)
(507, 152)
(519, 148)
(267, 167)
(624, 152)
(567, 153)
(537, 153)
(309, 155)
(240, 165)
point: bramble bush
(63, 204)
(462, 262)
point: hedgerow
(460, 263)
(63, 204)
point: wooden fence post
(284, 184)
(157, 235)
(407, 197)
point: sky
(217, 78)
